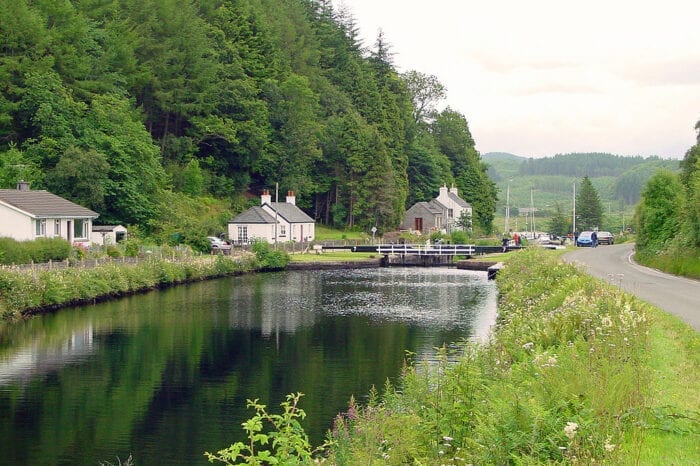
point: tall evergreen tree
(589, 209)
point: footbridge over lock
(429, 254)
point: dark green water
(164, 376)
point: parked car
(584, 239)
(219, 245)
(605, 237)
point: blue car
(584, 239)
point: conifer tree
(589, 209)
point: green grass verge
(334, 256)
(670, 432)
(324, 233)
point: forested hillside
(134, 108)
(619, 179)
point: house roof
(291, 212)
(253, 215)
(258, 214)
(41, 203)
(435, 207)
(99, 228)
(458, 200)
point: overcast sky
(542, 77)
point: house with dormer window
(272, 222)
(27, 214)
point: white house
(27, 215)
(272, 222)
(108, 234)
(455, 206)
(439, 214)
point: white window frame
(40, 228)
(57, 227)
(83, 224)
(283, 229)
(243, 234)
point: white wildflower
(609, 446)
(528, 346)
(570, 430)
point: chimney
(266, 198)
(23, 186)
(291, 199)
(443, 191)
(453, 190)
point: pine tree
(589, 209)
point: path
(676, 295)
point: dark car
(605, 237)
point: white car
(217, 244)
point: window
(283, 230)
(40, 227)
(80, 226)
(243, 235)
(450, 213)
(57, 227)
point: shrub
(459, 237)
(268, 258)
(13, 252)
(39, 250)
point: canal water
(164, 376)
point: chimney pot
(23, 186)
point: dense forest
(143, 109)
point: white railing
(427, 249)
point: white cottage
(439, 214)
(26, 215)
(272, 222)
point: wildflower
(609, 446)
(528, 346)
(570, 430)
(447, 438)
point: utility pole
(573, 217)
(532, 211)
(507, 208)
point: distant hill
(502, 165)
(619, 180)
(499, 156)
(592, 165)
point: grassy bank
(576, 372)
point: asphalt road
(675, 295)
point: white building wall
(16, 225)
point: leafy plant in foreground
(288, 443)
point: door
(418, 223)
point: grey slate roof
(291, 213)
(458, 200)
(100, 228)
(253, 215)
(44, 204)
(288, 212)
(435, 207)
